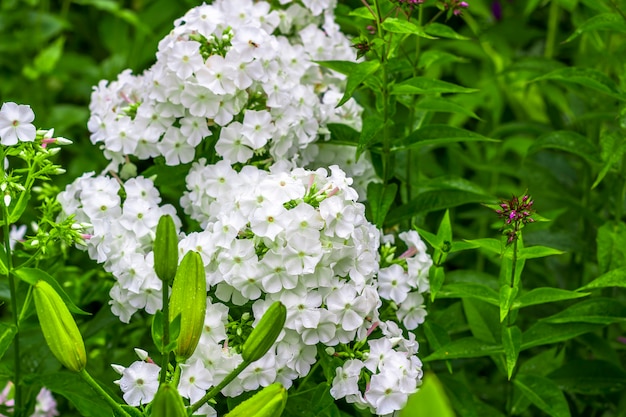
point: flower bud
(269, 402)
(265, 333)
(189, 301)
(59, 328)
(166, 249)
(168, 403)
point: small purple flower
(496, 10)
(516, 213)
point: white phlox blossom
(15, 124)
(235, 69)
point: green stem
(306, 378)
(166, 333)
(553, 25)
(386, 156)
(103, 394)
(216, 389)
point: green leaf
(507, 296)
(32, 275)
(3, 258)
(590, 377)
(431, 400)
(436, 277)
(613, 148)
(440, 104)
(544, 393)
(585, 77)
(72, 387)
(342, 67)
(594, 311)
(568, 141)
(604, 21)
(434, 200)
(443, 31)
(436, 335)
(425, 85)
(436, 56)
(380, 199)
(363, 12)
(46, 60)
(156, 331)
(542, 333)
(545, 295)
(511, 341)
(614, 278)
(372, 126)
(437, 135)
(611, 246)
(489, 245)
(531, 252)
(482, 319)
(343, 134)
(359, 73)
(394, 25)
(7, 333)
(468, 347)
(469, 290)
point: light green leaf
(443, 31)
(586, 77)
(604, 21)
(613, 148)
(436, 278)
(507, 296)
(594, 311)
(469, 290)
(46, 60)
(3, 256)
(436, 56)
(482, 319)
(363, 12)
(431, 400)
(342, 67)
(590, 377)
(489, 245)
(511, 341)
(611, 245)
(613, 278)
(544, 393)
(438, 135)
(380, 199)
(545, 295)
(568, 141)
(424, 85)
(440, 104)
(542, 333)
(531, 252)
(359, 73)
(32, 275)
(7, 333)
(394, 25)
(467, 347)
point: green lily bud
(168, 403)
(189, 301)
(265, 333)
(269, 402)
(166, 249)
(59, 328)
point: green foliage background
(545, 114)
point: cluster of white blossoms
(236, 75)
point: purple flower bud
(496, 10)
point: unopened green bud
(189, 301)
(59, 328)
(269, 402)
(265, 333)
(166, 249)
(168, 403)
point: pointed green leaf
(586, 77)
(7, 333)
(468, 347)
(489, 245)
(372, 126)
(32, 275)
(444, 31)
(545, 295)
(568, 141)
(594, 311)
(342, 67)
(431, 400)
(356, 77)
(482, 319)
(532, 252)
(3, 258)
(469, 290)
(438, 135)
(605, 21)
(394, 25)
(341, 134)
(542, 333)
(544, 393)
(590, 377)
(507, 296)
(440, 104)
(363, 12)
(436, 278)
(613, 148)
(511, 341)
(611, 246)
(72, 387)
(436, 56)
(614, 278)
(380, 199)
(425, 85)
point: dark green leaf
(468, 347)
(343, 134)
(613, 278)
(594, 311)
(436, 56)
(395, 25)
(443, 31)
(436, 278)
(613, 148)
(437, 135)
(543, 393)
(590, 377)
(586, 77)
(469, 290)
(356, 77)
(568, 141)
(380, 199)
(611, 246)
(372, 126)
(433, 200)
(72, 387)
(542, 333)
(342, 67)
(605, 21)
(440, 104)
(482, 319)
(545, 295)
(511, 341)
(507, 296)
(32, 275)
(424, 85)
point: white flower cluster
(119, 234)
(235, 72)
